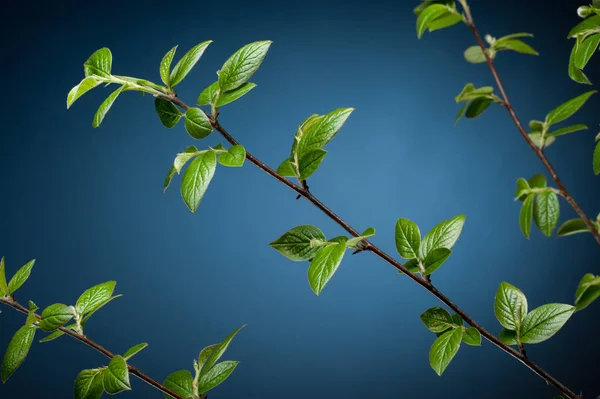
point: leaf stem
(81, 338)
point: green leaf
(515, 45)
(567, 130)
(310, 162)
(196, 179)
(325, 264)
(596, 160)
(230, 96)
(165, 66)
(586, 49)
(477, 107)
(296, 243)
(55, 316)
(546, 211)
(444, 235)
(536, 126)
(536, 137)
(99, 63)
(56, 334)
(522, 185)
(587, 291)
(17, 350)
(352, 243)
(234, 157)
(89, 384)
(537, 181)
(412, 265)
(509, 337)
(208, 95)
(83, 87)
(585, 26)
(472, 337)
(92, 298)
(134, 350)
(545, 321)
(437, 320)
(167, 112)
(515, 36)
(116, 376)
(408, 238)
(242, 65)
(475, 55)
(469, 92)
(461, 113)
(444, 21)
(186, 63)
(575, 73)
(31, 316)
(286, 169)
(181, 383)
(572, 226)
(216, 375)
(20, 277)
(510, 306)
(3, 286)
(526, 215)
(183, 157)
(93, 310)
(444, 349)
(168, 179)
(435, 258)
(197, 124)
(205, 355)
(219, 351)
(568, 108)
(320, 131)
(429, 14)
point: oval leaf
(242, 65)
(234, 157)
(443, 235)
(216, 375)
(181, 383)
(408, 238)
(116, 376)
(435, 259)
(196, 179)
(437, 320)
(230, 96)
(296, 243)
(94, 297)
(89, 384)
(472, 337)
(543, 322)
(55, 316)
(571, 227)
(186, 63)
(546, 211)
(510, 306)
(444, 349)
(197, 124)
(167, 112)
(99, 63)
(310, 162)
(325, 264)
(17, 350)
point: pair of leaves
(475, 54)
(511, 310)
(476, 100)
(587, 291)
(173, 77)
(91, 384)
(436, 16)
(197, 124)
(587, 39)
(17, 280)
(540, 204)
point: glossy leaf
(585, 50)
(186, 63)
(92, 298)
(230, 96)
(99, 63)
(219, 351)
(545, 321)
(472, 337)
(408, 238)
(89, 384)
(568, 108)
(443, 235)
(522, 187)
(99, 306)
(587, 291)
(181, 383)
(510, 306)
(321, 131)
(17, 350)
(572, 226)
(183, 157)
(296, 243)
(234, 157)
(509, 337)
(197, 124)
(526, 215)
(83, 87)
(310, 162)
(55, 316)
(537, 181)
(196, 179)
(585, 26)
(242, 65)
(575, 73)
(209, 95)
(20, 277)
(116, 376)
(515, 45)
(165, 66)
(167, 112)
(429, 14)
(134, 350)
(205, 354)
(216, 375)
(444, 21)
(105, 106)
(325, 264)
(435, 258)
(437, 320)
(444, 349)
(286, 169)
(546, 211)
(567, 130)
(477, 107)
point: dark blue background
(88, 204)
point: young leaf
(540, 142)
(134, 350)
(567, 130)
(165, 66)
(537, 181)
(55, 316)
(310, 162)
(168, 178)
(429, 14)
(575, 73)
(183, 157)
(92, 298)
(568, 108)
(408, 238)
(116, 376)
(444, 21)
(186, 63)
(90, 312)
(509, 337)
(181, 383)
(587, 25)
(437, 320)
(472, 337)
(295, 244)
(475, 55)
(325, 263)
(196, 179)
(461, 113)
(526, 215)
(586, 49)
(435, 258)
(444, 235)
(208, 95)
(216, 375)
(99, 63)
(234, 157)
(83, 87)
(219, 350)
(205, 354)
(444, 349)
(89, 384)
(167, 112)
(242, 65)
(3, 286)
(510, 306)
(31, 316)
(596, 160)
(369, 232)
(286, 169)
(105, 106)
(545, 321)
(587, 291)
(56, 334)
(197, 124)
(546, 211)
(515, 45)
(477, 107)
(572, 226)
(522, 185)
(230, 96)
(17, 350)
(320, 131)
(20, 277)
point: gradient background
(88, 204)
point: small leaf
(17, 350)
(325, 264)
(205, 354)
(196, 179)
(55, 316)
(444, 21)
(437, 320)
(116, 376)
(472, 337)
(99, 63)
(230, 96)
(181, 383)
(536, 126)
(522, 185)
(134, 350)
(20, 277)
(469, 92)
(353, 242)
(567, 130)
(444, 235)
(444, 349)
(93, 310)
(168, 178)
(234, 157)
(92, 298)
(429, 14)
(286, 169)
(585, 26)
(3, 286)
(435, 258)
(596, 159)
(477, 107)
(572, 226)
(586, 49)
(186, 63)
(165, 66)
(568, 108)
(537, 181)
(197, 124)
(167, 112)
(546, 211)
(515, 45)
(575, 73)
(408, 238)
(536, 137)
(56, 334)
(310, 162)
(219, 351)
(89, 384)
(216, 375)
(587, 291)
(208, 95)
(510, 306)
(83, 87)
(242, 65)
(526, 215)
(318, 132)
(509, 337)
(545, 321)
(295, 244)
(183, 157)
(475, 55)
(461, 113)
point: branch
(538, 151)
(82, 338)
(425, 283)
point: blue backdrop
(88, 203)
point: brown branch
(538, 151)
(82, 338)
